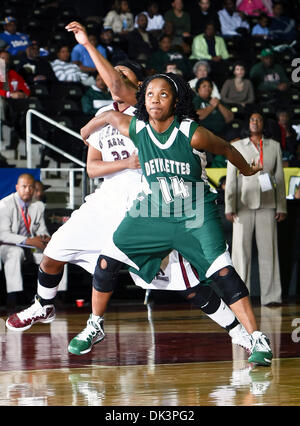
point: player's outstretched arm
(112, 78)
(205, 140)
(116, 119)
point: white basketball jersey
(111, 143)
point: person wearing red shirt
(16, 91)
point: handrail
(30, 135)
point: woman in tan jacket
(256, 204)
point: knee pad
(231, 286)
(105, 279)
(203, 297)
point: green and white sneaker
(93, 333)
(261, 353)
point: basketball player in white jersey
(79, 241)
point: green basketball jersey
(174, 170)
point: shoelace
(260, 344)
(30, 311)
(89, 331)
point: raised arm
(205, 140)
(116, 119)
(112, 78)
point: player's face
(159, 99)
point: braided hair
(182, 92)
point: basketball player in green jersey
(171, 145)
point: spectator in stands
(95, 93)
(33, 68)
(212, 113)
(39, 191)
(165, 54)
(201, 69)
(119, 19)
(212, 48)
(141, 43)
(180, 19)
(282, 28)
(255, 7)
(155, 19)
(114, 53)
(261, 29)
(15, 91)
(255, 203)
(66, 71)
(172, 67)
(284, 133)
(22, 222)
(201, 14)
(268, 76)
(209, 46)
(238, 90)
(81, 57)
(232, 23)
(15, 42)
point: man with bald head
(22, 223)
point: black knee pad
(105, 279)
(230, 285)
(204, 297)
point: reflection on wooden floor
(151, 356)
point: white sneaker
(35, 313)
(239, 336)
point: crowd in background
(237, 57)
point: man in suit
(257, 203)
(22, 223)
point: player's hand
(253, 168)
(133, 161)
(79, 32)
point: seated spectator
(97, 92)
(261, 29)
(141, 43)
(283, 132)
(180, 19)
(212, 113)
(282, 28)
(119, 19)
(64, 70)
(172, 67)
(155, 19)
(255, 7)
(164, 54)
(81, 57)
(231, 21)
(201, 69)
(33, 68)
(201, 14)
(238, 90)
(209, 46)
(22, 222)
(268, 76)
(114, 52)
(15, 91)
(212, 48)
(15, 42)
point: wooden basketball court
(153, 355)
